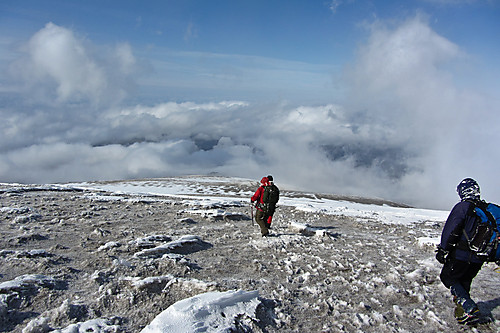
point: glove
(441, 255)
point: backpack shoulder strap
(472, 206)
(471, 213)
(483, 206)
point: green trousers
(261, 219)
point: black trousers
(457, 276)
(462, 272)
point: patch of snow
(108, 245)
(428, 241)
(27, 281)
(98, 325)
(208, 312)
(185, 244)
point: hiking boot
(465, 318)
(459, 311)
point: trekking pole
(251, 212)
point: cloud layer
(58, 67)
(403, 131)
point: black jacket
(461, 218)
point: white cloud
(405, 132)
(191, 32)
(334, 4)
(60, 67)
(454, 2)
(403, 79)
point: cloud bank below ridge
(404, 130)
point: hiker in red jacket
(261, 215)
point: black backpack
(485, 237)
(270, 197)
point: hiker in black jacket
(461, 265)
(273, 201)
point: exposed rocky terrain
(113, 262)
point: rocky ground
(69, 257)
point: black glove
(441, 255)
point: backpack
(485, 237)
(270, 197)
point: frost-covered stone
(329, 265)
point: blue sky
(370, 98)
(317, 37)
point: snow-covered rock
(208, 312)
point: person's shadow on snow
(488, 306)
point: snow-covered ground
(183, 255)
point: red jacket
(258, 196)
